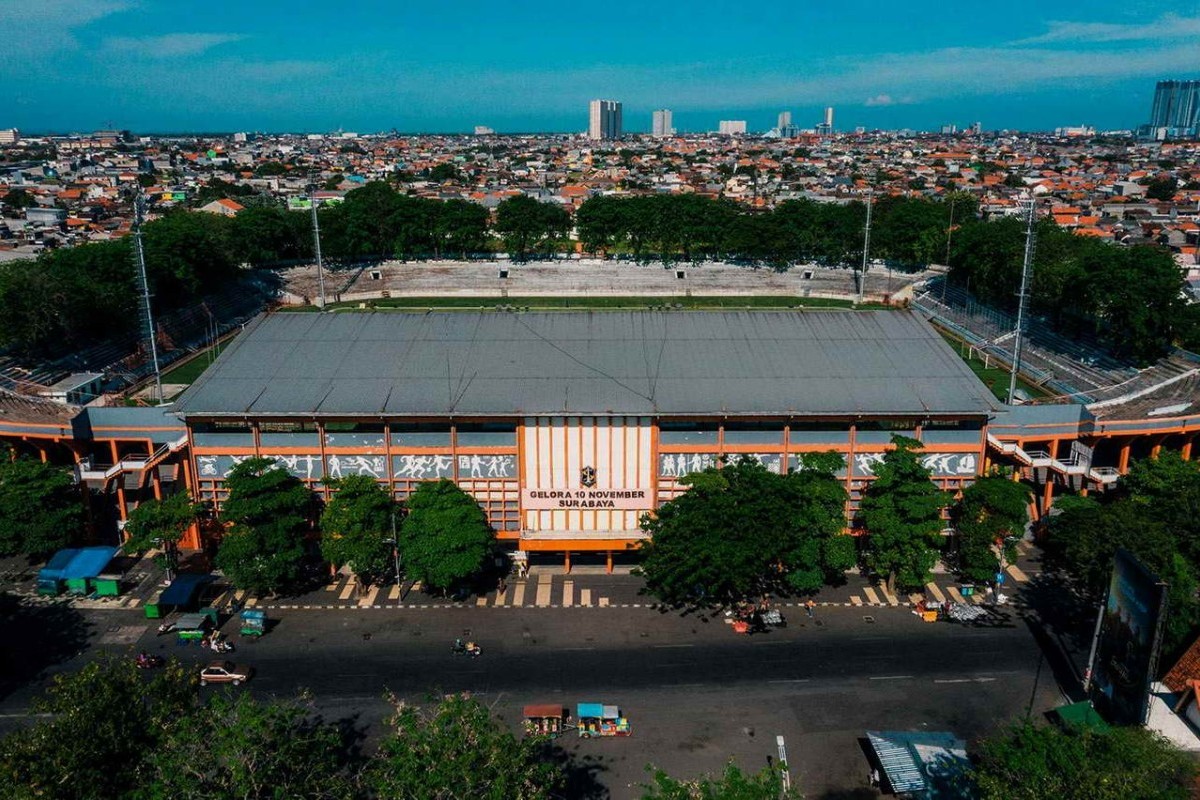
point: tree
(445, 539)
(733, 784)
(1033, 762)
(457, 751)
(241, 747)
(17, 199)
(161, 523)
(528, 225)
(356, 526)
(1162, 188)
(990, 512)
(901, 513)
(268, 512)
(103, 721)
(40, 508)
(443, 173)
(741, 531)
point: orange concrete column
(608, 562)
(121, 500)
(1186, 451)
(1123, 464)
(1156, 449)
(42, 453)
(1083, 491)
(1048, 495)
(156, 482)
(567, 562)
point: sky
(518, 65)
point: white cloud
(1168, 26)
(171, 45)
(35, 28)
(879, 100)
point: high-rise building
(1176, 107)
(604, 119)
(662, 123)
(483, 130)
(732, 127)
(10, 136)
(826, 127)
(784, 121)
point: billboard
(1127, 643)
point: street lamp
(395, 543)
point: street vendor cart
(254, 622)
(191, 628)
(597, 719)
(546, 719)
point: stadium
(567, 426)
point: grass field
(187, 373)
(475, 303)
(994, 377)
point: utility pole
(312, 196)
(139, 257)
(1023, 298)
(862, 277)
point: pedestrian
(810, 608)
(503, 587)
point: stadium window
(687, 433)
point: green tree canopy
(529, 226)
(123, 716)
(241, 747)
(457, 751)
(355, 527)
(445, 539)
(733, 784)
(741, 531)
(901, 513)
(155, 522)
(40, 508)
(990, 511)
(1036, 762)
(1151, 514)
(267, 513)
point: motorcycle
(147, 661)
(461, 648)
(166, 627)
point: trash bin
(967, 590)
(152, 608)
(106, 586)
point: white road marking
(890, 677)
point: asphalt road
(696, 693)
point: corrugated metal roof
(505, 364)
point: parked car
(225, 672)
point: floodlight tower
(1023, 296)
(312, 198)
(862, 277)
(139, 259)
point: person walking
(810, 608)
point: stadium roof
(463, 364)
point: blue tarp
(589, 710)
(89, 562)
(183, 590)
(57, 564)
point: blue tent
(53, 571)
(88, 562)
(183, 590)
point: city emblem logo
(587, 477)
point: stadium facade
(567, 427)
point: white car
(225, 672)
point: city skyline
(146, 66)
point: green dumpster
(153, 609)
(107, 585)
(77, 586)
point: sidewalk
(550, 588)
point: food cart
(254, 622)
(191, 628)
(597, 719)
(183, 594)
(546, 719)
(50, 577)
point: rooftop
(466, 364)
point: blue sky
(370, 65)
